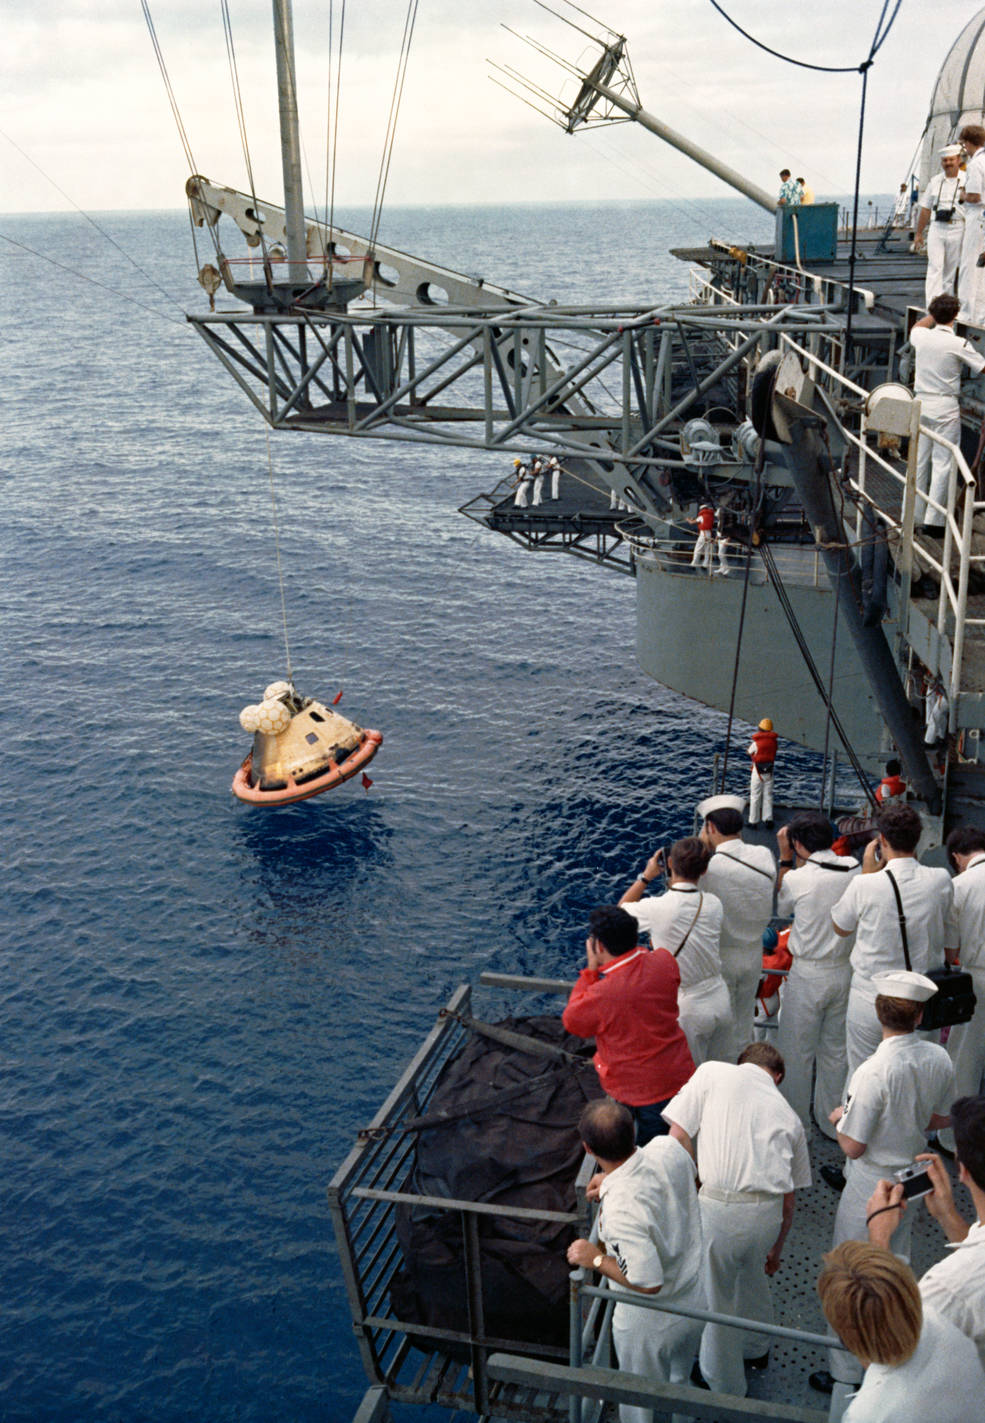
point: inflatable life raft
(300, 749)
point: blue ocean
(200, 1002)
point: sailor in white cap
(554, 465)
(743, 877)
(704, 544)
(900, 1093)
(940, 224)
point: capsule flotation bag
(501, 1127)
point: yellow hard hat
(766, 724)
(516, 462)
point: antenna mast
(290, 139)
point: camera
(943, 214)
(915, 1179)
(981, 260)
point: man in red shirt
(626, 998)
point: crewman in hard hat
(940, 224)
(524, 481)
(762, 752)
(704, 543)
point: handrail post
(959, 616)
(477, 1320)
(574, 1338)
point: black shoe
(834, 1177)
(697, 1377)
(752, 824)
(767, 825)
(763, 1362)
(822, 1381)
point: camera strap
(701, 900)
(902, 921)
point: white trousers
(555, 484)
(741, 969)
(538, 490)
(966, 1046)
(705, 1012)
(811, 1035)
(520, 497)
(863, 1032)
(944, 241)
(969, 273)
(760, 795)
(704, 546)
(860, 1182)
(658, 1346)
(738, 1238)
(943, 415)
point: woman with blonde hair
(918, 1366)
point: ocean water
(200, 1003)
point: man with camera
(870, 909)
(626, 999)
(743, 877)
(902, 1091)
(941, 356)
(940, 224)
(955, 1287)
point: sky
(82, 99)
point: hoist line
(778, 585)
(280, 569)
(93, 223)
(334, 145)
(738, 643)
(398, 88)
(227, 28)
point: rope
(781, 593)
(738, 652)
(398, 89)
(227, 28)
(167, 85)
(330, 199)
(280, 571)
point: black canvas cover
(510, 1138)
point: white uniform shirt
(974, 180)
(868, 907)
(955, 1287)
(940, 356)
(650, 1221)
(743, 877)
(747, 1137)
(670, 916)
(969, 913)
(941, 1382)
(810, 894)
(893, 1095)
(942, 192)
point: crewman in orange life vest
(892, 784)
(703, 544)
(762, 752)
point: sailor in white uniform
(902, 1091)
(815, 997)
(743, 877)
(940, 225)
(687, 921)
(868, 909)
(972, 137)
(555, 468)
(966, 1041)
(941, 356)
(752, 1156)
(955, 1286)
(538, 471)
(649, 1229)
(523, 482)
(919, 1366)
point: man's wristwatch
(598, 1262)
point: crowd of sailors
(701, 1138)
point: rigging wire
(172, 100)
(334, 145)
(388, 142)
(81, 277)
(878, 40)
(280, 570)
(168, 296)
(227, 29)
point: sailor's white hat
(721, 802)
(902, 984)
(951, 150)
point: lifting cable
(781, 593)
(738, 636)
(81, 277)
(280, 570)
(227, 29)
(391, 128)
(332, 127)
